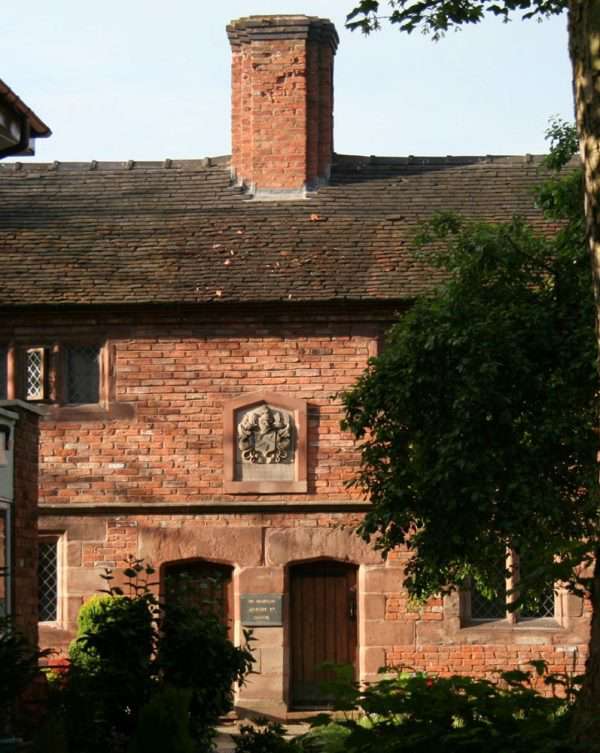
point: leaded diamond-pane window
(83, 374)
(541, 602)
(35, 374)
(538, 604)
(490, 608)
(541, 605)
(203, 585)
(4, 444)
(48, 580)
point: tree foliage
(19, 665)
(583, 22)
(477, 422)
(438, 16)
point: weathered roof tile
(179, 231)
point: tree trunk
(586, 720)
(584, 42)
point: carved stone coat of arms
(265, 436)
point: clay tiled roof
(104, 233)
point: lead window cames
(66, 374)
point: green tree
(478, 422)
(438, 16)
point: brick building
(185, 327)
(19, 434)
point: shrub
(129, 649)
(196, 653)
(51, 737)
(91, 614)
(330, 738)
(19, 664)
(163, 724)
(414, 713)
(111, 676)
(264, 738)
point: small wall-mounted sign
(261, 610)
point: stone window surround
(511, 617)
(298, 408)
(54, 405)
(58, 537)
(569, 618)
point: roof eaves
(39, 128)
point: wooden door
(322, 627)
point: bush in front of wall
(111, 674)
(195, 652)
(51, 736)
(129, 650)
(163, 724)
(92, 613)
(19, 665)
(416, 713)
(264, 737)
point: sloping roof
(113, 233)
(38, 128)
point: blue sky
(142, 79)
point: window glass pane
(83, 374)
(541, 603)
(3, 372)
(4, 563)
(494, 608)
(48, 580)
(200, 584)
(35, 374)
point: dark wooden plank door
(322, 627)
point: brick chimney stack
(282, 102)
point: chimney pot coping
(263, 28)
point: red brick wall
(172, 450)
(487, 660)
(436, 638)
(174, 378)
(25, 517)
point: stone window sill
(89, 412)
(541, 624)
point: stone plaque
(265, 444)
(261, 610)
